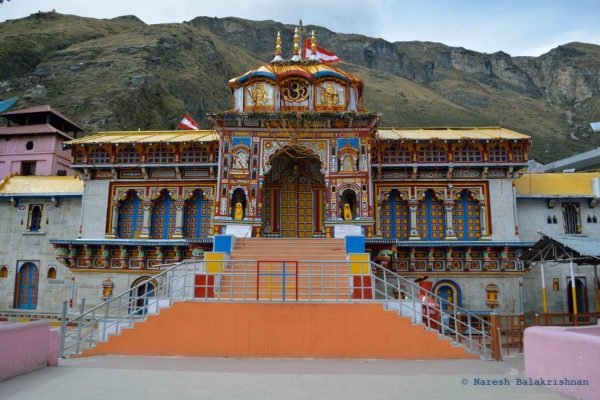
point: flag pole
(301, 30)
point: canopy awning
(579, 249)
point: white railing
(273, 281)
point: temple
(299, 156)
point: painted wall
(571, 353)
(58, 222)
(26, 347)
(47, 152)
(533, 216)
(502, 209)
(95, 207)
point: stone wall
(59, 221)
(502, 209)
(95, 208)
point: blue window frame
(27, 286)
(197, 217)
(131, 216)
(430, 218)
(163, 217)
(394, 217)
(466, 218)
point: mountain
(124, 74)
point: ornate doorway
(294, 195)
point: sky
(517, 27)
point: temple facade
(299, 156)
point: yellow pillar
(573, 287)
(544, 296)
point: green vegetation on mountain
(126, 75)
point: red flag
(324, 55)
(188, 123)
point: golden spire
(296, 56)
(278, 48)
(313, 47)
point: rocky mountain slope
(124, 74)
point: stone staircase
(290, 270)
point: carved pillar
(448, 214)
(147, 205)
(114, 222)
(483, 221)
(414, 232)
(178, 234)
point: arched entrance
(580, 295)
(144, 290)
(27, 286)
(294, 194)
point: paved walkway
(166, 378)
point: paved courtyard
(165, 378)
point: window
(395, 217)
(395, 154)
(128, 155)
(99, 156)
(430, 217)
(434, 152)
(517, 154)
(51, 273)
(571, 218)
(163, 217)
(29, 145)
(4, 271)
(28, 168)
(466, 217)
(131, 216)
(160, 155)
(195, 154)
(34, 220)
(498, 154)
(197, 216)
(79, 157)
(467, 153)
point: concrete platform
(111, 377)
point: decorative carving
(295, 90)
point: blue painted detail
(125, 218)
(449, 291)
(246, 141)
(223, 244)
(323, 74)
(355, 244)
(28, 286)
(352, 142)
(255, 74)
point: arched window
(51, 273)
(394, 217)
(450, 294)
(240, 159)
(35, 217)
(466, 217)
(430, 217)
(348, 161)
(432, 153)
(131, 216)
(4, 271)
(128, 155)
(27, 287)
(142, 295)
(467, 153)
(163, 216)
(160, 155)
(396, 154)
(197, 216)
(195, 154)
(99, 156)
(498, 154)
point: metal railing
(407, 298)
(275, 281)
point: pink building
(31, 142)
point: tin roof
(484, 133)
(581, 249)
(147, 137)
(38, 185)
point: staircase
(279, 269)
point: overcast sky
(518, 27)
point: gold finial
(296, 56)
(278, 44)
(277, 48)
(313, 47)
